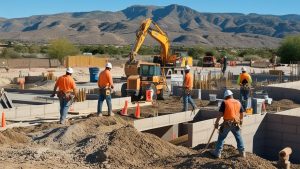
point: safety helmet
(244, 69)
(108, 65)
(187, 67)
(227, 93)
(69, 70)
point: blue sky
(24, 8)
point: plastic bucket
(149, 95)
(94, 71)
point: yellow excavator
(142, 76)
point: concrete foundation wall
(283, 130)
(164, 120)
(34, 111)
(200, 132)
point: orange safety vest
(232, 110)
(188, 81)
(244, 76)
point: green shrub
(290, 49)
(251, 57)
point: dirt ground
(282, 105)
(162, 107)
(106, 142)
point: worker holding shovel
(232, 113)
(66, 94)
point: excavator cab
(148, 76)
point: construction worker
(187, 88)
(66, 86)
(244, 80)
(105, 84)
(224, 63)
(232, 113)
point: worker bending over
(232, 113)
(66, 86)
(105, 84)
(244, 80)
(187, 88)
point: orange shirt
(65, 83)
(188, 81)
(105, 79)
(232, 109)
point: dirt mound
(11, 137)
(107, 142)
(282, 105)
(130, 148)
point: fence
(29, 63)
(85, 61)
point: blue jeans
(100, 103)
(64, 108)
(244, 95)
(187, 98)
(223, 134)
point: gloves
(216, 125)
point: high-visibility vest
(232, 109)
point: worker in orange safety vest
(66, 94)
(105, 84)
(187, 89)
(232, 113)
(244, 81)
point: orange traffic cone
(137, 111)
(124, 110)
(3, 123)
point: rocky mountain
(183, 25)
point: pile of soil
(106, 142)
(282, 105)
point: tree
(60, 48)
(289, 49)
(9, 53)
(34, 49)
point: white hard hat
(187, 67)
(244, 69)
(69, 70)
(227, 93)
(108, 65)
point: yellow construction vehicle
(142, 76)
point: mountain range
(183, 25)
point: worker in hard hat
(66, 94)
(244, 81)
(187, 89)
(105, 84)
(232, 113)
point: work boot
(213, 153)
(242, 154)
(111, 114)
(99, 114)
